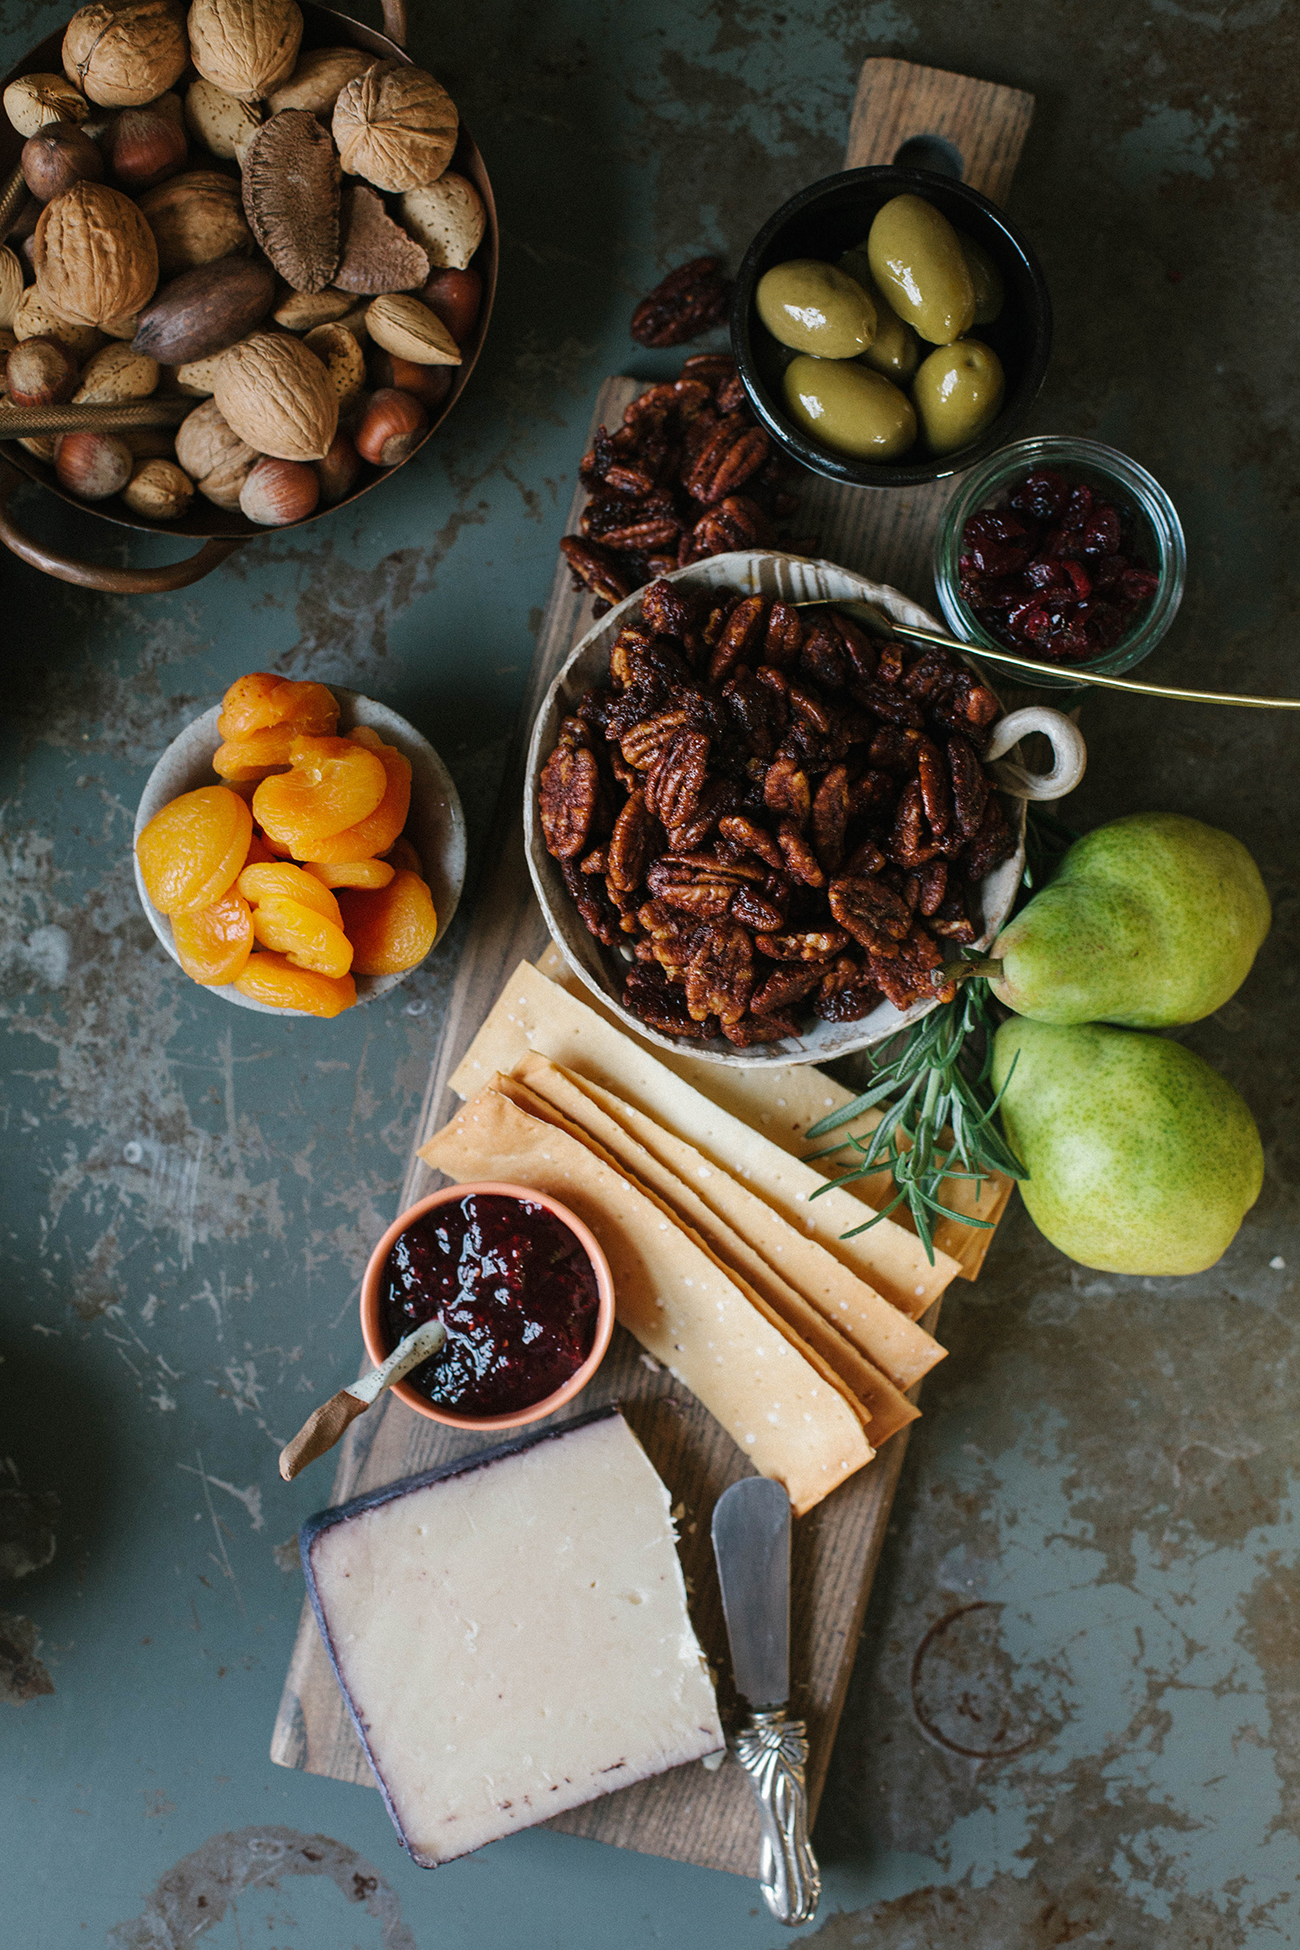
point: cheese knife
(751, 1542)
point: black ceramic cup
(831, 217)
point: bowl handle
(1069, 754)
(94, 575)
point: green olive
(843, 406)
(916, 260)
(957, 394)
(893, 350)
(812, 307)
(986, 278)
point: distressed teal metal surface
(1073, 1715)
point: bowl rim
(446, 881)
(549, 1404)
(741, 568)
(871, 474)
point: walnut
(123, 52)
(409, 330)
(36, 99)
(396, 126)
(277, 396)
(11, 286)
(341, 357)
(247, 47)
(35, 319)
(116, 373)
(291, 198)
(158, 490)
(319, 76)
(215, 458)
(95, 255)
(447, 218)
(221, 122)
(195, 218)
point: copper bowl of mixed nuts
(267, 226)
(755, 832)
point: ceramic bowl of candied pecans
(756, 831)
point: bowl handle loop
(1069, 754)
(94, 575)
(395, 21)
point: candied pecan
(703, 892)
(721, 974)
(733, 451)
(933, 778)
(860, 651)
(866, 858)
(674, 781)
(643, 534)
(908, 846)
(952, 919)
(931, 884)
(785, 986)
(730, 393)
(639, 658)
(630, 845)
(906, 978)
(742, 634)
(808, 944)
(895, 749)
(753, 837)
(751, 1030)
(993, 843)
(889, 663)
(757, 911)
(873, 793)
(784, 638)
(887, 702)
(644, 743)
(627, 778)
(848, 1004)
(690, 300)
(737, 522)
(786, 790)
(567, 797)
(811, 710)
(665, 1010)
(800, 859)
(830, 817)
(670, 610)
(711, 367)
(930, 676)
(872, 912)
(754, 711)
(597, 568)
(823, 659)
(970, 788)
(719, 796)
(599, 915)
(594, 862)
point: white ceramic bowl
(435, 824)
(790, 579)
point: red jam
(1054, 570)
(515, 1291)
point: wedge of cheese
(534, 1014)
(788, 1419)
(511, 1636)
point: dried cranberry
(990, 526)
(1041, 495)
(1101, 536)
(1078, 507)
(1046, 574)
(998, 558)
(1139, 585)
(1080, 578)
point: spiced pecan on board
(768, 817)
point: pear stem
(964, 971)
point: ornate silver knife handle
(774, 1753)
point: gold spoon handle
(876, 618)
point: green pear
(1141, 1159)
(1151, 920)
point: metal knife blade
(751, 1542)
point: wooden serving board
(689, 1814)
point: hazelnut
(221, 122)
(35, 99)
(158, 490)
(396, 126)
(339, 469)
(145, 145)
(277, 396)
(247, 47)
(56, 157)
(278, 492)
(116, 373)
(447, 218)
(95, 255)
(35, 319)
(392, 427)
(320, 74)
(122, 52)
(430, 384)
(455, 296)
(405, 327)
(92, 465)
(40, 372)
(299, 311)
(195, 218)
(215, 458)
(341, 357)
(11, 286)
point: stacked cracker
(799, 1341)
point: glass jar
(1158, 540)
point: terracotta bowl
(379, 1350)
(435, 824)
(791, 579)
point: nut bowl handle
(1069, 754)
(94, 575)
(395, 20)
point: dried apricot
(332, 784)
(351, 873)
(271, 979)
(308, 939)
(191, 851)
(258, 851)
(378, 832)
(391, 928)
(403, 856)
(260, 700)
(256, 756)
(213, 943)
(280, 880)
